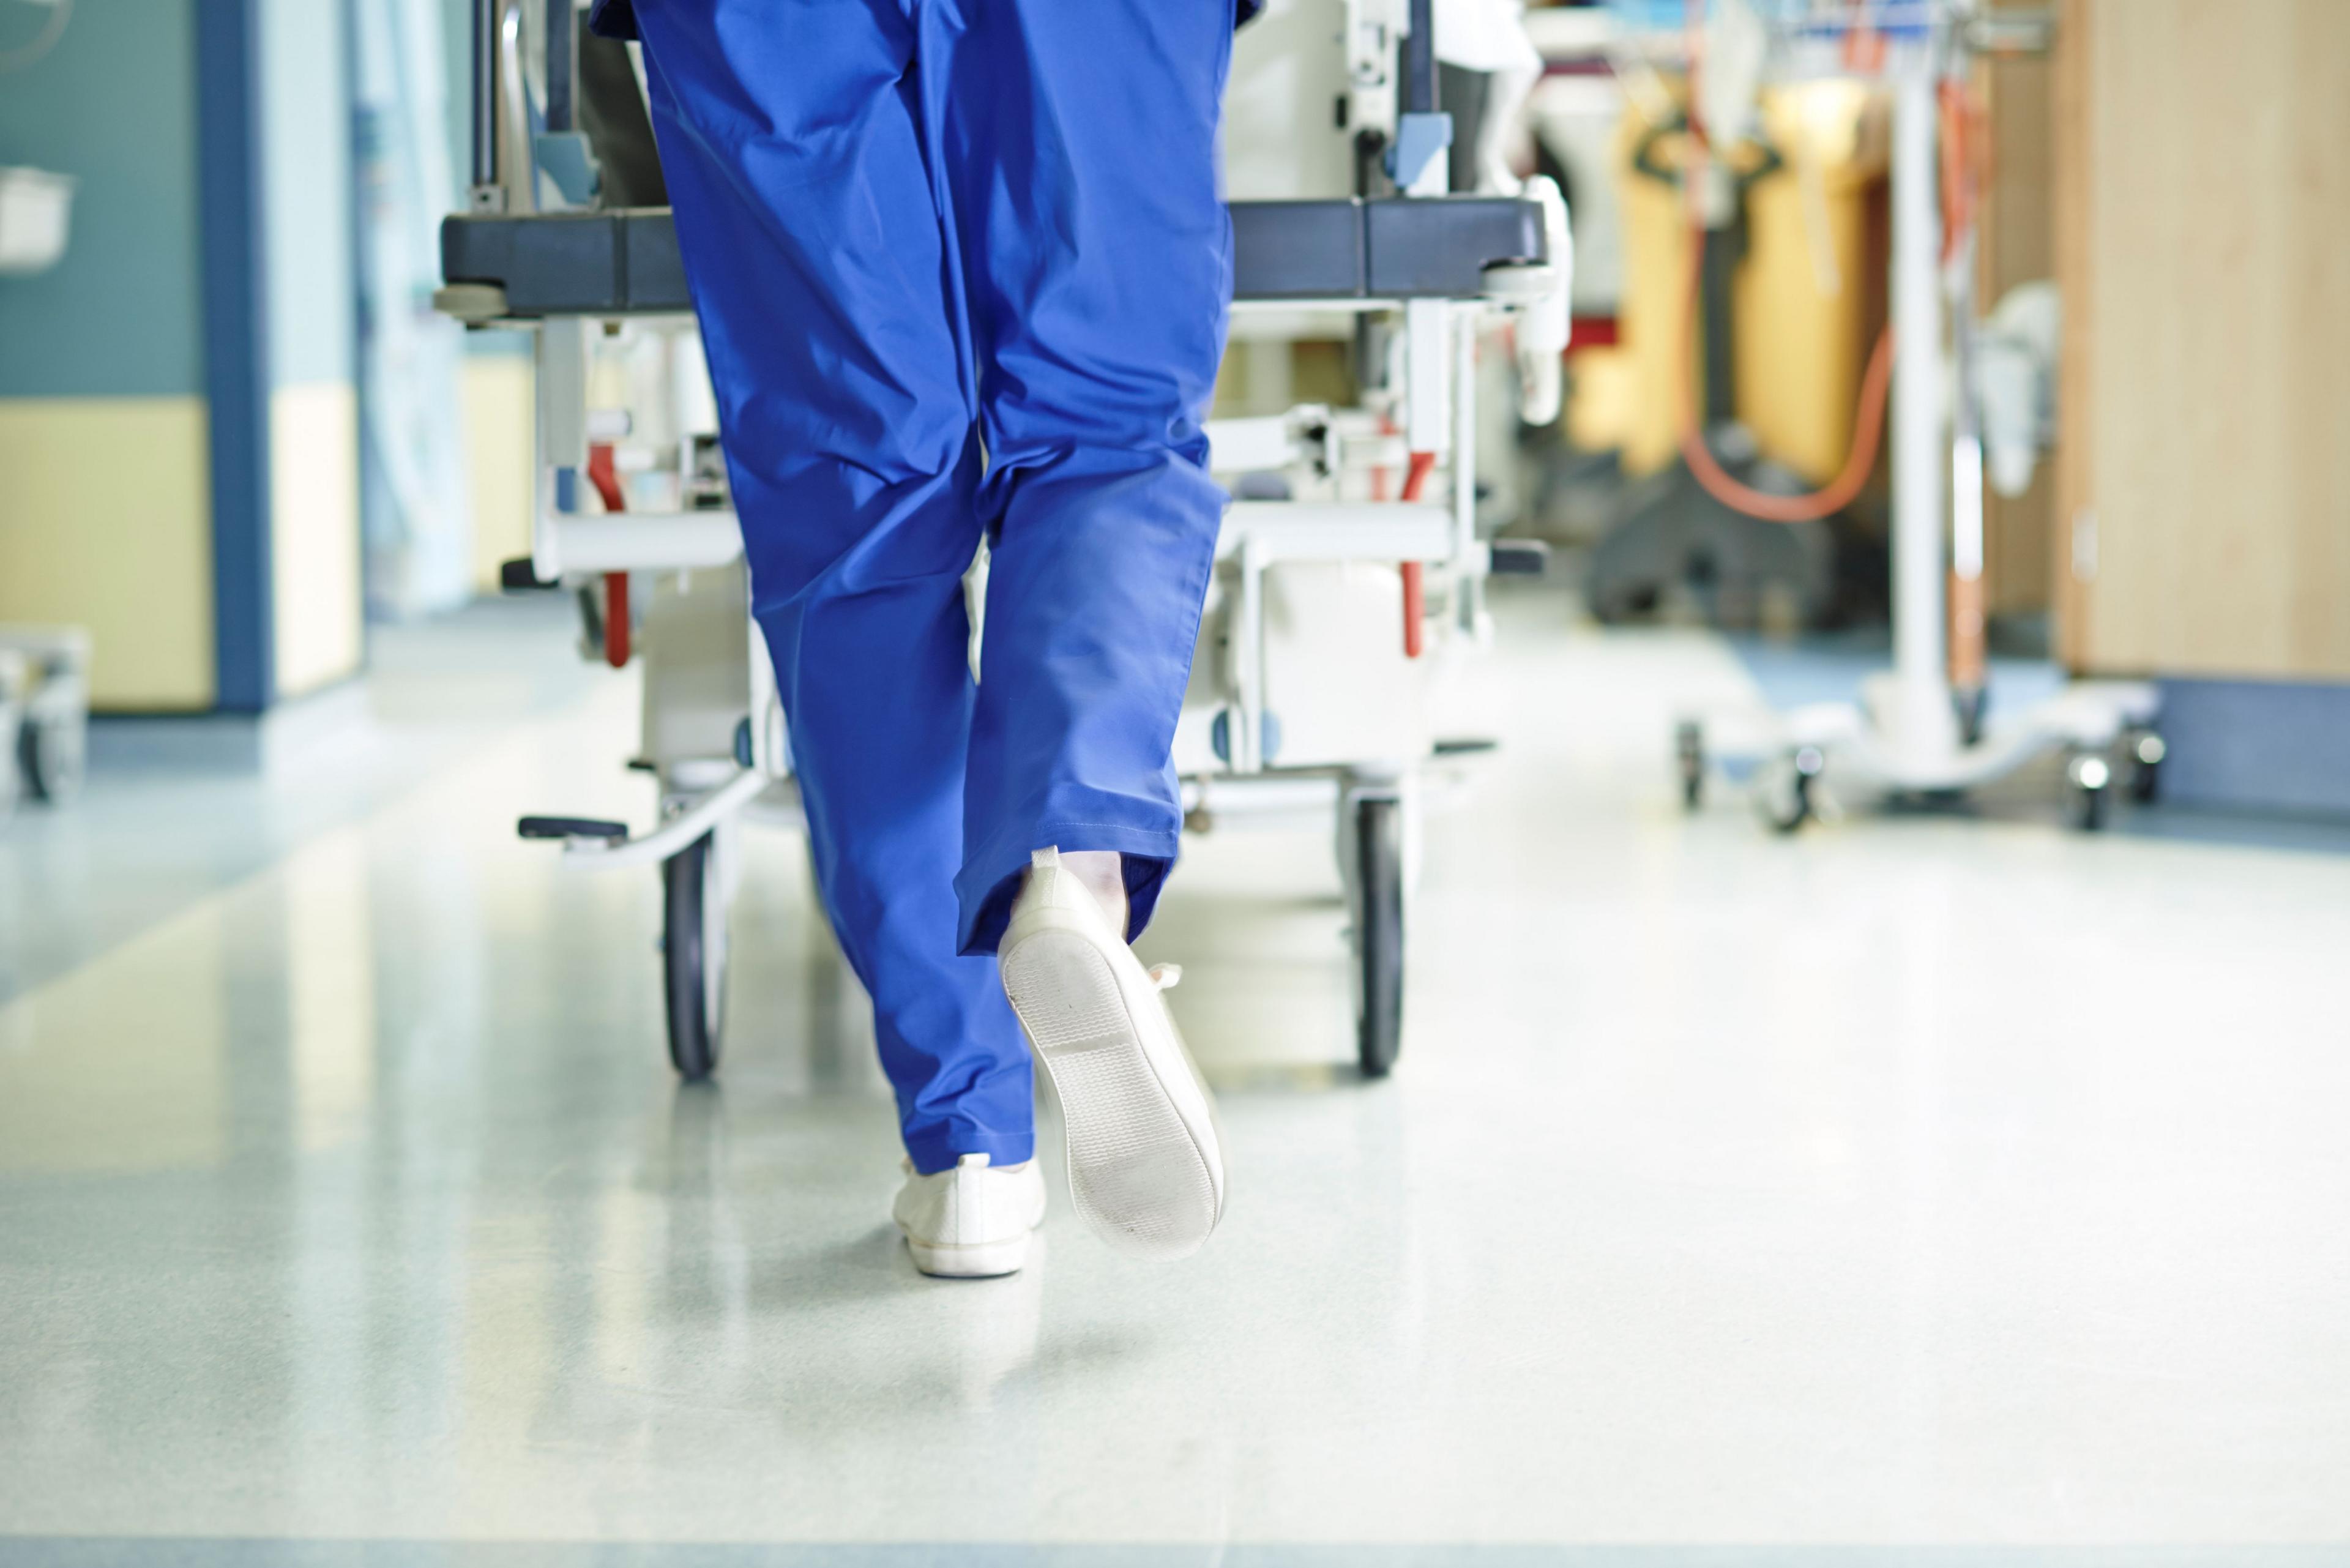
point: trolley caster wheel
(1971, 703)
(2147, 752)
(1689, 751)
(693, 957)
(51, 753)
(1787, 794)
(1378, 934)
(2091, 778)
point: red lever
(604, 475)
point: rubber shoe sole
(1145, 1166)
(978, 1260)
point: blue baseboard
(2257, 746)
(224, 742)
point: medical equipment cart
(1914, 731)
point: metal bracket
(1419, 140)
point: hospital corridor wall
(179, 447)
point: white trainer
(972, 1222)
(1146, 1165)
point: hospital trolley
(622, 405)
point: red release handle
(604, 475)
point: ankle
(1102, 873)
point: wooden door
(2203, 247)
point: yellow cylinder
(1804, 300)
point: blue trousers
(962, 268)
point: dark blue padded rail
(624, 262)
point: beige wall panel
(499, 436)
(2018, 246)
(2215, 261)
(2017, 532)
(315, 534)
(106, 522)
(2317, 181)
(2076, 24)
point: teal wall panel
(114, 105)
(457, 50)
(305, 130)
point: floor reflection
(1857, 1187)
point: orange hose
(1965, 162)
(1380, 473)
(1415, 478)
(1965, 167)
(1415, 577)
(1970, 665)
(1868, 430)
(1868, 427)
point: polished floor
(1932, 1187)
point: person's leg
(791, 138)
(1079, 140)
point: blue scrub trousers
(962, 268)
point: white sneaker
(1146, 1167)
(972, 1222)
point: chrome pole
(486, 192)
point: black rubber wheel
(693, 959)
(1799, 809)
(28, 759)
(1786, 794)
(2089, 808)
(1379, 935)
(1971, 703)
(51, 759)
(2147, 752)
(2090, 778)
(1689, 750)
